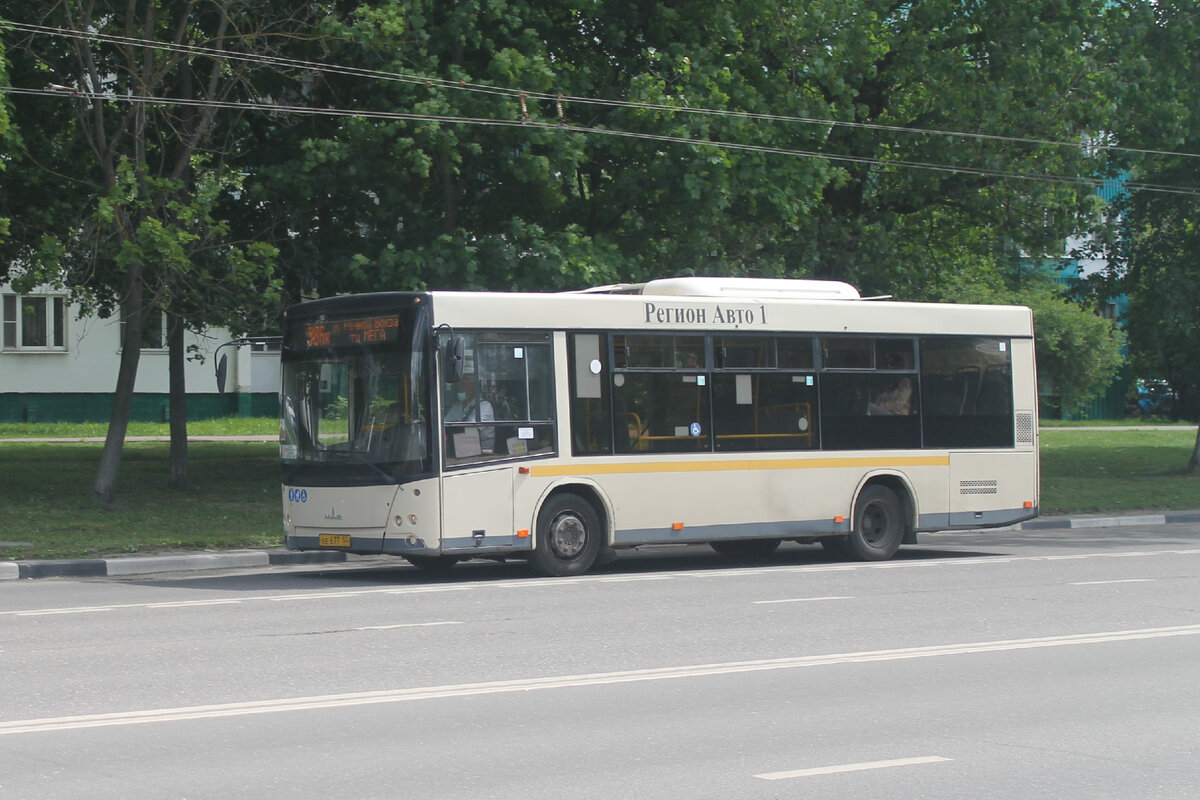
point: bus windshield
(355, 393)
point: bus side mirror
(222, 370)
(453, 359)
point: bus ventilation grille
(977, 487)
(1025, 427)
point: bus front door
(477, 512)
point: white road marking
(541, 583)
(1103, 583)
(834, 770)
(54, 724)
(189, 603)
(798, 600)
(272, 598)
(49, 611)
(405, 625)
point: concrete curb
(145, 565)
(1128, 520)
(190, 562)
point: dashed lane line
(799, 600)
(859, 767)
(541, 583)
(1106, 583)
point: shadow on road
(386, 571)
(383, 571)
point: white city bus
(562, 428)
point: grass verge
(233, 500)
(1118, 471)
(222, 426)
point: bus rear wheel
(568, 536)
(878, 525)
(748, 549)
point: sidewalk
(189, 562)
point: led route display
(357, 331)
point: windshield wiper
(389, 476)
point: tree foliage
(406, 204)
(117, 188)
(547, 144)
(1151, 240)
(360, 204)
(5, 133)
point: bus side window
(869, 394)
(967, 392)
(664, 412)
(591, 428)
(508, 409)
(764, 411)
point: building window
(154, 329)
(33, 322)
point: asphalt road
(1019, 664)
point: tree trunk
(118, 421)
(177, 357)
(1194, 463)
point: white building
(55, 365)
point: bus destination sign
(356, 331)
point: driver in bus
(466, 405)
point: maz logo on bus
(297, 495)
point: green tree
(440, 203)
(591, 189)
(1150, 238)
(359, 204)
(5, 132)
(119, 179)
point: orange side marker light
(839, 519)
(676, 526)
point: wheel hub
(568, 535)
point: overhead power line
(1094, 183)
(518, 94)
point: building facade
(56, 365)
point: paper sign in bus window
(743, 390)
(466, 443)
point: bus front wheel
(878, 525)
(568, 536)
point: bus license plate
(334, 540)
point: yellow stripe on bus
(723, 466)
